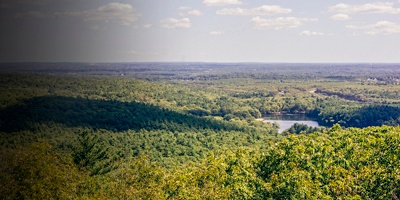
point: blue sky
(199, 30)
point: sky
(200, 31)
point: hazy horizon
(208, 31)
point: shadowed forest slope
(110, 115)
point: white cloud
(340, 17)
(147, 26)
(279, 23)
(221, 2)
(357, 26)
(311, 33)
(123, 14)
(195, 12)
(184, 8)
(379, 28)
(132, 52)
(262, 10)
(189, 11)
(376, 7)
(217, 33)
(175, 23)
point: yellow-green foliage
(341, 164)
(203, 131)
(36, 172)
(225, 175)
(228, 175)
(136, 179)
(337, 164)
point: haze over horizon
(200, 31)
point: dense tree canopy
(186, 133)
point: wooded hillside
(173, 137)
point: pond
(286, 121)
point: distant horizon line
(210, 62)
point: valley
(194, 130)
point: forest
(194, 131)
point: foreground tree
(36, 172)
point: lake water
(286, 121)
